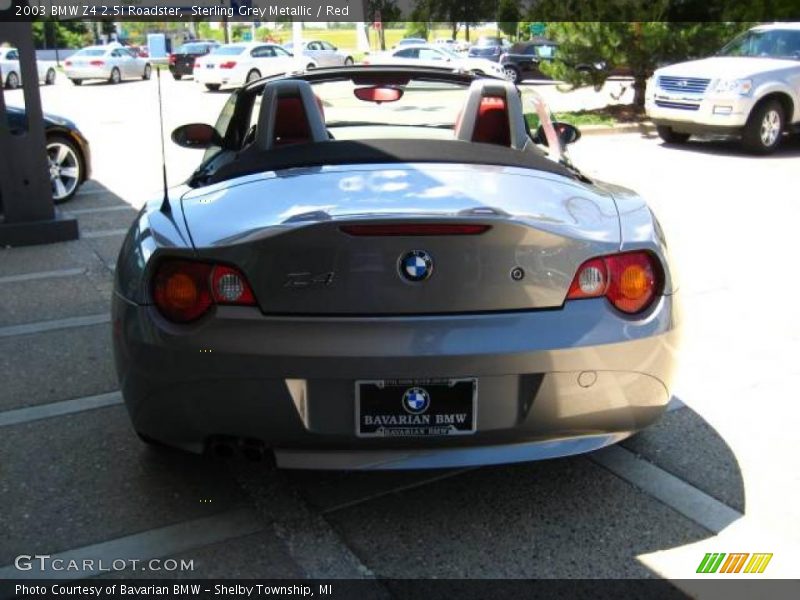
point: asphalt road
(720, 472)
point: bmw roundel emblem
(417, 265)
(416, 400)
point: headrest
(493, 114)
(290, 114)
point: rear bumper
(88, 73)
(551, 383)
(218, 76)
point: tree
(588, 52)
(508, 17)
(385, 11)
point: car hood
(49, 119)
(254, 205)
(726, 67)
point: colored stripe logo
(714, 562)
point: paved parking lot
(720, 472)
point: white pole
(297, 44)
(361, 37)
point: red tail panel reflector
(97, 63)
(228, 65)
(415, 229)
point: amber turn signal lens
(180, 291)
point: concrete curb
(644, 127)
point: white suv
(751, 89)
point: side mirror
(196, 136)
(567, 134)
(335, 48)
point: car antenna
(165, 206)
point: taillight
(197, 64)
(97, 63)
(228, 65)
(630, 281)
(172, 59)
(184, 290)
(67, 63)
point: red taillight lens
(414, 229)
(184, 290)
(68, 63)
(172, 59)
(97, 63)
(228, 65)
(197, 64)
(630, 281)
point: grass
(607, 116)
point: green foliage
(508, 17)
(70, 34)
(635, 49)
(416, 29)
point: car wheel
(672, 137)
(50, 77)
(762, 133)
(511, 73)
(253, 75)
(66, 167)
(348, 62)
(477, 72)
(310, 66)
(176, 76)
(12, 81)
(115, 76)
(212, 86)
(77, 81)
(148, 70)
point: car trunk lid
(343, 241)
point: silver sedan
(111, 63)
(324, 53)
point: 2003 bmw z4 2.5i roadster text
(383, 267)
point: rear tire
(310, 66)
(671, 136)
(50, 77)
(115, 76)
(253, 75)
(77, 81)
(176, 76)
(212, 87)
(12, 81)
(762, 134)
(512, 74)
(348, 62)
(148, 70)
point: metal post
(29, 216)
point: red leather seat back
(291, 121)
(491, 124)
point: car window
(314, 46)
(228, 50)
(530, 50)
(327, 46)
(12, 55)
(90, 52)
(430, 54)
(116, 53)
(770, 43)
(280, 51)
(262, 52)
(407, 53)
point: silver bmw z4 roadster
(390, 268)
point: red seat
(491, 124)
(291, 121)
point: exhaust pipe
(253, 450)
(222, 447)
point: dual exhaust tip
(228, 447)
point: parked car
(432, 55)
(413, 281)
(112, 63)
(236, 64)
(324, 54)
(68, 155)
(522, 60)
(181, 62)
(11, 74)
(490, 47)
(750, 89)
(410, 42)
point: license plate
(416, 407)
(209, 66)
